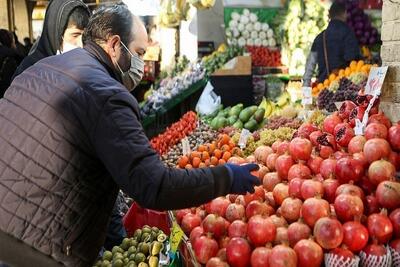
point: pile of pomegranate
(327, 192)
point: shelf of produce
(180, 104)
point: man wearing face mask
(63, 27)
(71, 138)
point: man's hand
(242, 179)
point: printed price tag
(375, 80)
(185, 146)
(175, 237)
(307, 96)
(366, 113)
(244, 135)
(359, 128)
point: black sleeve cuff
(222, 181)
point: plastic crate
(137, 217)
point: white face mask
(135, 72)
(67, 47)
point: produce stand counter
(156, 122)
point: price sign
(176, 236)
(359, 128)
(244, 135)
(375, 80)
(307, 96)
(185, 146)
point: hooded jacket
(56, 19)
(71, 137)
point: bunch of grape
(317, 118)
(347, 91)
(325, 100)
(279, 121)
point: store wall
(21, 19)
(209, 24)
(3, 15)
(390, 53)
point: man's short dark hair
(107, 21)
(6, 38)
(79, 17)
(337, 9)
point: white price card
(307, 96)
(375, 80)
(244, 135)
(359, 128)
(185, 147)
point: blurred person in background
(63, 26)
(9, 59)
(19, 47)
(334, 48)
(27, 44)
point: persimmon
(188, 167)
(214, 161)
(196, 162)
(195, 154)
(217, 153)
(225, 139)
(225, 148)
(202, 165)
(202, 148)
(207, 162)
(227, 155)
(183, 161)
(221, 162)
(205, 155)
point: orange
(326, 83)
(214, 161)
(183, 161)
(196, 162)
(225, 139)
(332, 77)
(353, 65)
(320, 86)
(341, 72)
(205, 155)
(227, 156)
(217, 153)
(360, 64)
(347, 72)
(201, 148)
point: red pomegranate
(348, 169)
(309, 253)
(348, 207)
(295, 187)
(394, 158)
(372, 205)
(312, 188)
(196, 233)
(281, 191)
(328, 233)
(299, 170)
(313, 209)
(283, 148)
(278, 220)
(375, 250)
(325, 152)
(306, 129)
(350, 189)
(291, 209)
(343, 253)
(275, 146)
(380, 171)
(282, 256)
(356, 144)
(181, 213)
(219, 206)
(395, 244)
(258, 208)
(300, 148)
(330, 123)
(380, 227)
(205, 248)
(330, 186)
(314, 137)
(366, 185)
(214, 225)
(216, 262)
(260, 256)
(314, 164)
(380, 118)
(238, 252)
(270, 181)
(343, 134)
(395, 220)
(327, 168)
(355, 236)
(261, 153)
(394, 137)
(298, 231)
(376, 130)
(357, 113)
(361, 158)
(261, 230)
(346, 108)
(376, 149)
(235, 212)
(237, 229)
(388, 194)
(271, 160)
(282, 166)
(189, 222)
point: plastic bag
(208, 101)
(332, 260)
(395, 258)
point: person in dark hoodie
(334, 48)
(63, 26)
(71, 137)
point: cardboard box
(238, 66)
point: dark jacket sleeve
(351, 49)
(124, 149)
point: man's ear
(114, 44)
